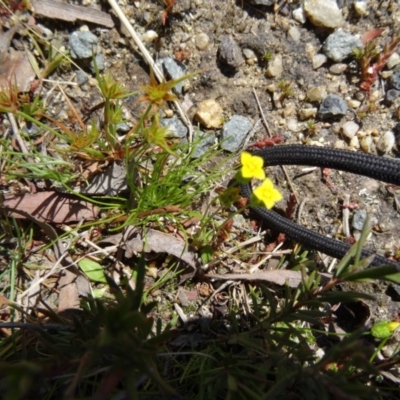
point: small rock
(248, 53)
(324, 13)
(176, 129)
(83, 44)
(318, 60)
(123, 127)
(295, 34)
(359, 218)
(275, 67)
(366, 144)
(395, 80)
(391, 96)
(333, 106)
(307, 113)
(204, 141)
(201, 41)
(174, 70)
(339, 45)
(209, 114)
(338, 68)
(349, 129)
(234, 132)
(290, 109)
(31, 129)
(299, 16)
(360, 7)
(229, 52)
(293, 125)
(354, 143)
(386, 142)
(340, 144)
(393, 60)
(354, 104)
(149, 36)
(100, 63)
(81, 77)
(316, 94)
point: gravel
(333, 106)
(340, 45)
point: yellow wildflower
(266, 194)
(252, 166)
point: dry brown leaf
(68, 292)
(277, 276)
(50, 207)
(138, 240)
(71, 13)
(15, 68)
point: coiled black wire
(380, 168)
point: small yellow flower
(252, 166)
(267, 194)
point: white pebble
(354, 143)
(366, 143)
(340, 144)
(201, 41)
(354, 103)
(386, 142)
(299, 16)
(149, 36)
(349, 129)
(292, 125)
(318, 60)
(393, 60)
(295, 34)
(360, 8)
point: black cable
(384, 169)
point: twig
(256, 266)
(345, 216)
(251, 133)
(262, 113)
(149, 59)
(17, 136)
(234, 249)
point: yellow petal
(252, 166)
(267, 194)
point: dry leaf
(15, 68)
(68, 292)
(138, 240)
(50, 207)
(277, 276)
(71, 13)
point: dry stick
(289, 181)
(21, 144)
(150, 61)
(17, 136)
(262, 113)
(345, 216)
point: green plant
(372, 60)
(104, 343)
